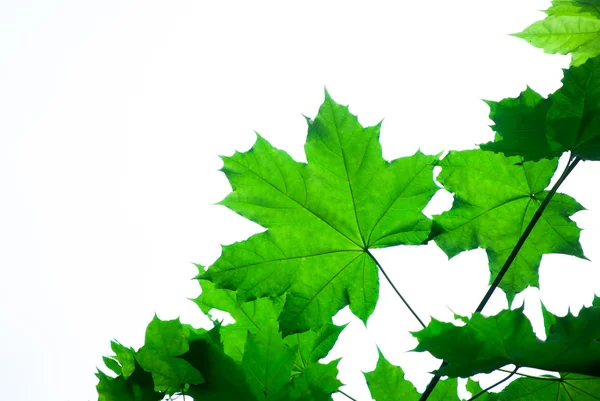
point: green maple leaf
(495, 197)
(571, 26)
(485, 344)
(569, 387)
(569, 120)
(224, 378)
(268, 363)
(123, 363)
(249, 316)
(316, 383)
(138, 386)
(165, 341)
(313, 346)
(307, 378)
(322, 217)
(387, 383)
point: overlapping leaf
(297, 356)
(138, 386)
(569, 120)
(495, 197)
(571, 26)
(488, 343)
(321, 218)
(271, 369)
(569, 387)
(165, 342)
(387, 383)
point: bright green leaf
(137, 387)
(494, 200)
(321, 219)
(268, 362)
(485, 344)
(249, 316)
(316, 383)
(387, 383)
(571, 26)
(165, 341)
(313, 346)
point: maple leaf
(569, 120)
(495, 197)
(137, 387)
(249, 316)
(485, 344)
(569, 387)
(165, 341)
(571, 26)
(322, 218)
(295, 359)
(387, 383)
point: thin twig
(570, 166)
(485, 391)
(554, 379)
(341, 392)
(396, 290)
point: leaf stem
(573, 160)
(482, 392)
(396, 290)
(341, 392)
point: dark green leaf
(488, 343)
(224, 378)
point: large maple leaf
(495, 197)
(484, 344)
(322, 218)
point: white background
(112, 115)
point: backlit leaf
(495, 197)
(571, 26)
(321, 219)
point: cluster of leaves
(283, 286)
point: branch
(341, 392)
(570, 166)
(396, 290)
(482, 392)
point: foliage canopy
(323, 217)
